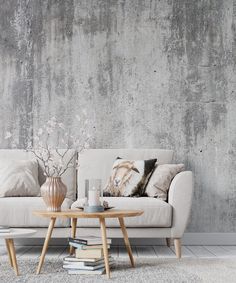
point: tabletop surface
(17, 233)
(78, 213)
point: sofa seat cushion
(157, 213)
(18, 212)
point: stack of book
(88, 257)
(5, 229)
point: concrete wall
(151, 73)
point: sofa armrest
(180, 198)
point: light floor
(33, 252)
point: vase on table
(53, 192)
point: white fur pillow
(129, 177)
(159, 183)
(19, 178)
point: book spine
(77, 241)
(77, 246)
(89, 253)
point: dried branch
(43, 161)
(62, 155)
(53, 160)
(68, 163)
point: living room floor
(33, 252)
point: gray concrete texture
(152, 74)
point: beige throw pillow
(19, 178)
(159, 183)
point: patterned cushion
(129, 177)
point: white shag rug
(146, 270)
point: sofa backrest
(69, 178)
(97, 163)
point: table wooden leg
(13, 255)
(9, 252)
(46, 242)
(73, 233)
(126, 239)
(104, 244)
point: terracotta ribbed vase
(53, 192)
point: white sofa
(160, 219)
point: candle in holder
(93, 192)
(94, 197)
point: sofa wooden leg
(168, 242)
(177, 243)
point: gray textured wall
(152, 74)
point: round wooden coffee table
(14, 233)
(75, 214)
